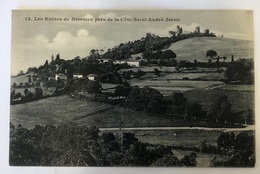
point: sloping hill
(196, 48)
(21, 78)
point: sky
(35, 40)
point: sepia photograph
(132, 88)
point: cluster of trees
(73, 145)
(239, 150)
(28, 96)
(144, 99)
(241, 71)
(219, 111)
(31, 82)
(151, 100)
(72, 85)
(166, 58)
(149, 43)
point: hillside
(21, 78)
(196, 48)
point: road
(249, 127)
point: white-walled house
(104, 60)
(92, 77)
(60, 76)
(132, 63)
(77, 76)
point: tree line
(74, 145)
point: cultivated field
(190, 76)
(196, 48)
(63, 109)
(166, 87)
(21, 78)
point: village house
(60, 76)
(132, 63)
(77, 76)
(92, 77)
(105, 60)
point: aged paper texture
(160, 88)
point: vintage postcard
(165, 88)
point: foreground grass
(62, 109)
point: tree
(157, 72)
(167, 160)
(93, 87)
(26, 91)
(147, 99)
(240, 150)
(110, 142)
(38, 93)
(122, 91)
(24, 150)
(168, 55)
(139, 73)
(179, 104)
(220, 110)
(225, 142)
(14, 85)
(248, 116)
(46, 64)
(211, 54)
(101, 51)
(29, 79)
(241, 70)
(20, 73)
(173, 33)
(57, 57)
(194, 111)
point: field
(240, 100)
(21, 78)
(62, 109)
(190, 76)
(177, 85)
(24, 79)
(149, 69)
(196, 48)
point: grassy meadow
(62, 109)
(196, 48)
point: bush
(240, 150)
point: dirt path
(249, 127)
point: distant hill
(196, 48)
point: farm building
(92, 77)
(77, 76)
(104, 60)
(60, 76)
(133, 63)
